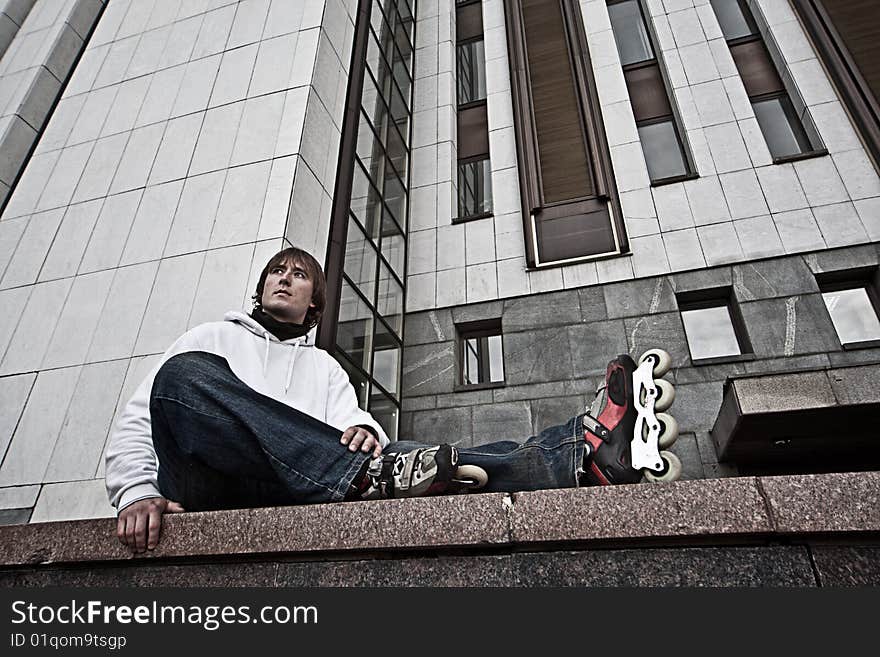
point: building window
(659, 130)
(780, 123)
(713, 325)
(474, 170)
(570, 207)
(481, 354)
(853, 304)
(365, 262)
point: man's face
(287, 293)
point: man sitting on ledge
(249, 412)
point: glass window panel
(393, 245)
(386, 413)
(358, 380)
(710, 332)
(474, 188)
(366, 203)
(401, 74)
(360, 259)
(781, 127)
(402, 35)
(389, 301)
(663, 152)
(471, 72)
(630, 32)
(376, 61)
(386, 360)
(471, 361)
(355, 330)
(735, 20)
(373, 104)
(370, 152)
(395, 197)
(382, 30)
(496, 358)
(853, 315)
(397, 152)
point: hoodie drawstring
(290, 366)
(266, 355)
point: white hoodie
(294, 372)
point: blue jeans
(221, 445)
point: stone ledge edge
(722, 509)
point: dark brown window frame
(863, 106)
(526, 133)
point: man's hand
(140, 523)
(358, 438)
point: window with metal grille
(481, 354)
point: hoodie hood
(252, 325)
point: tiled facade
(194, 138)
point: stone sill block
(703, 511)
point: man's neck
(280, 329)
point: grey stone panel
(664, 331)
(705, 373)
(781, 277)
(45, 577)
(852, 257)
(406, 425)
(696, 405)
(429, 327)
(17, 141)
(440, 571)
(418, 403)
(686, 449)
(854, 357)
(39, 98)
(65, 50)
(536, 356)
(83, 16)
(639, 298)
(465, 398)
(847, 565)
(592, 300)
(4, 191)
(706, 447)
(703, 279)
(593, 345)
(555, 410)
(541, 311)
(856, 385)
(478, 312)
(786, 327)
(534, 391)
(15, 516)
(18, 10)
(449, 425)
(429, 369)
(8, 30)
(720, 470)
(709, 566)
(507, 421)
(792, 363)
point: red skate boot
(624, 428)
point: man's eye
(299, 274)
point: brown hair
(293, 255)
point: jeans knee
(182, 370)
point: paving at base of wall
(800, 530)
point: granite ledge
(704, 511)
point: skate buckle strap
(645, 442)
(386, 477)
(593, 425)
(408, 465)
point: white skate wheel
(472, 473)
(668, 430)
(665, 395)
(661, 359)
(671, 470)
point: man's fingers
(129, 531)
(120, 529)
(377, 451)
(154, 528)
(369, 444)
(140, 531)
(174, 507)
(348, 434)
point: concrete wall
(557, 345)
(741, 207)
(193, 140)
